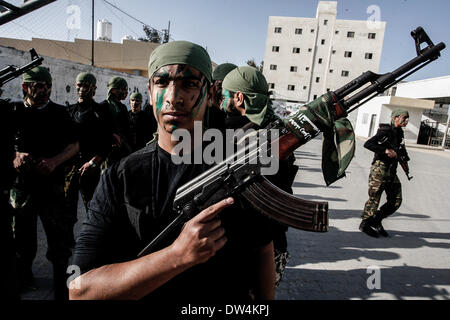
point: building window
(273, 67)
(328, 89)
(350, 34)
(325, 22)
(348, 54)
(344, 73)
(317, 79)
(333, 52)
(293, 69)
(336, 32)
(323, 41)
(291, 87)
(309, 50)
(368, 56)
(315, 97)
(271, 85)
(372, 35)
(277, 29)
(312, 30)
(307, 68)
(296, 50)
(305, 87)
(298, 31)
(320, 61)
(331, 70)
(275, 49)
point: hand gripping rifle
(402, 156)
(242, 178)
(11, 72)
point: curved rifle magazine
(285, 208)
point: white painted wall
(64, 74)
(427, 88)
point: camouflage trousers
(381, 179)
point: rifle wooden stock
(286, 208)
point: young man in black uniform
(142, 125)
(210, 258)
(45, 140)
(246, 101)
(95, 136)
(383, 174)
(119, 122)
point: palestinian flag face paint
(179, 95)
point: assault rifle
(11, 72)
(402, 156)
(403, 159)
(245, 179)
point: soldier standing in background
(245, 98)
(93, 127)
(118, 113)
(45, 140)
(383, 174)
(214, 116)
(142, 125)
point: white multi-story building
(305, 57)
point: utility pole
(166, 35)
(93, 35)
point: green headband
(38, 74)
(399, 112)
(117, 83)
(222, 70)
(86, 77)
(181, 52)
(136, 96)
(251, 82)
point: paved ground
(413, 263)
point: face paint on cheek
(227, 97)
(198, 106)
(160, 101)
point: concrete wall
(64, 74)
(130, 56)
(327, 41)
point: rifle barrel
(386, 80)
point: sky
(235, 30)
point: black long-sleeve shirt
(387, 137)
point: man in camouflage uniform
(383, 174)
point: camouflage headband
(86, 77)
(222, 70)
(181, 52)
(251, 82)
(38, 74)
(136, 96)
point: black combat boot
(367, 227)
(378, 217)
